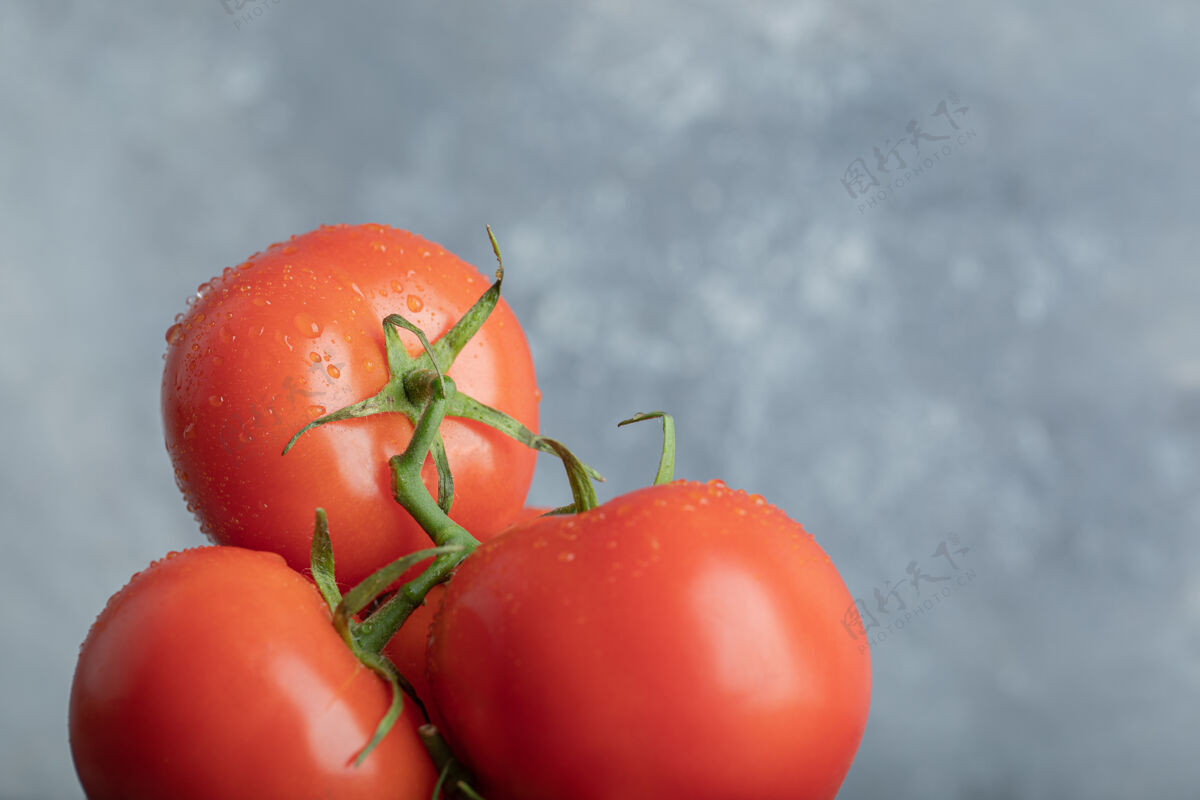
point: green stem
(411, 493)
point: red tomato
(216, 672)
(296, 332)
(682, 640)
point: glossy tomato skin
(679, 641)
(216, 673)
(296, 332)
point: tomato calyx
(409, 388)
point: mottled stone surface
(1000, 351)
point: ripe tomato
(682, 640)
(216, 673)
(296, 332)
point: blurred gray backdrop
(922, 274)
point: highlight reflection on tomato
(215, 673)
(295, 332)
(682, 640)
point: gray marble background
(1001, 351)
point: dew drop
(333, 371)
(397, 286)
(314, 357)
(289, 250)
(307, 325)
(225, 334)
(189, 432)
(379, 247)
(174, 333)
(368, 364)
(215, 400)
(260, 301)
(414, 303)
(316, 411)
(562, 556)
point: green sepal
(666, 462)
(384, 668)
(449, 346)
(582, 491)
(467, 407)
(321, 562)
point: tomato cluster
(333, 407)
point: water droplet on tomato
(368, 364)
(314, 357)
(260, 301)
(189, 432)
(225, 334)
(289, 250)
(561, 556)
(414, 303)
(333, 371)
(307, 325)
(174, 333)
(217, 361)
(379, 247)
(397, 287)
(316, 411)
(215, 400)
